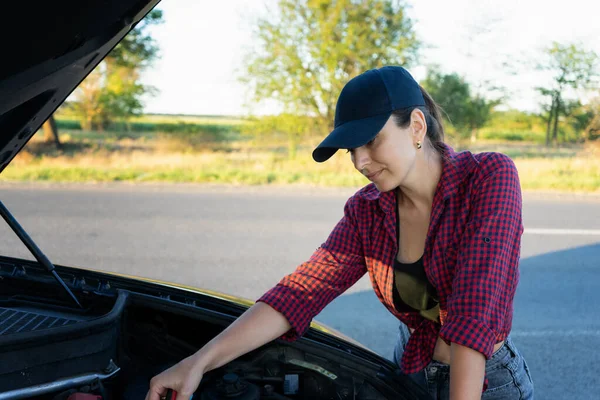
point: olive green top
(414, 292)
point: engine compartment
(50, 350)
(278, 370)
(272, 373)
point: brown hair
(433, 118)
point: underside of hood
(48, 48)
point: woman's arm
(486, 274)
(466, 373)
(257, 326)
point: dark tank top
(413, 292)
(412, 289)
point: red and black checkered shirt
(471, 257)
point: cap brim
(350, 135)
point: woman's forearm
(258, 325)
(467, 372)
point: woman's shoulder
(468, 172)
(492, 161)
(483, 164)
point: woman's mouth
(374, 175)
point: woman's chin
(383, 187)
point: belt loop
(510, 345)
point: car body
(67, 331)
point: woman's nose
(361, 158)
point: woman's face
(390, 157)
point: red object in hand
(171, 395)
(84, 396)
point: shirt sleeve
(486, 273)
(333, 268)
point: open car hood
(49, 47)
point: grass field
(229, 158)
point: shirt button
(433, 369)
(487, 240)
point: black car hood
(48, 48)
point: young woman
(439, 234)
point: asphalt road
(242, 241)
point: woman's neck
(419, 190)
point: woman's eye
(351, 151)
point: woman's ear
(418, 124)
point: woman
(438, 232)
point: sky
(201, 44)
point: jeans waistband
(499, 357)
(507, 351)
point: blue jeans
(507, 373)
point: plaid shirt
(471, 257)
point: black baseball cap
(364, 106)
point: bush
(68, 124)
(180, 130)
(515, 120)
(214, 130)
(512, 136)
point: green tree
(113, 90)
(479, 111)
(308, 49)
(466, 112)
(571, 67)
(138, 49)
(451, 92)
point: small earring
(419, 144)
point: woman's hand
(183, 377)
